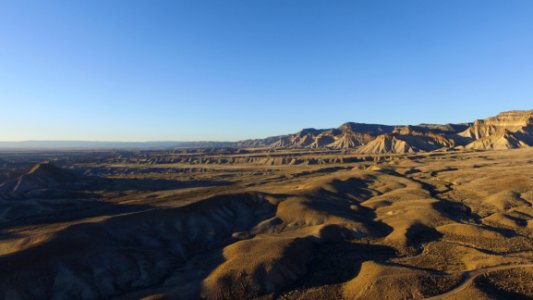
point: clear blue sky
(228, 70)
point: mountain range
(507, 130)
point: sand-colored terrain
(268, 224)
(507, 130)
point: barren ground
(274, 225)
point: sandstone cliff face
(507, 130)
(347, 140)
(387, 143)
(511, 121)
(497, 141)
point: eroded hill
(226, 224)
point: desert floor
(275, 225)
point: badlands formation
(508, 130)
(358, 212)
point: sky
(179, 70)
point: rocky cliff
(507, 130)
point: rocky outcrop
(497, 141)
(507, 130)
(347, 140)
(387, 143)
(512, 121)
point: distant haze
(80, 145)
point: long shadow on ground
(335, 263)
